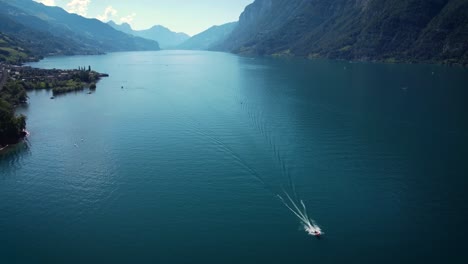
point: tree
(11, 126)
(14, 93)
(20, 123)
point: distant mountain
(165, 37)
(60, 32)
(398, 30)
(208, 38)
(124, 27)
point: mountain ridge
(164, 36)
(363, 30)
(72, 33)
(208, 38)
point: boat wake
(301, 212)
(296, 206)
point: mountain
(19, 43)
(165, 37)
(68, 33)
(124, 27)
(10, 51)
(398, 30)
(208, 38)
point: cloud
(79, 7)
(108, 14)
(46, 2)
(128, 19)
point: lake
(179, 155)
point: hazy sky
(189, 16)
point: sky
(188, 16)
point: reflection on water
(12, 156)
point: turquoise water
(169, 169)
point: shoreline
(24, 134)
(19, 80)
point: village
(60, 81)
